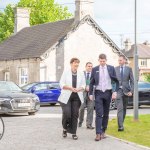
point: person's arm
(83, 83)
(92, 83)
(115, 80)
(131, 80)
(116, 85)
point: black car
(144, 95)
(14, 100)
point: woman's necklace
(74, 73)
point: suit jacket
(128, 80)
(95, 78)
(85, 93)
(66, 79)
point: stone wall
(13, 66)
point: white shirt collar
(101, 67)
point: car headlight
(3, 100)
(36, 98)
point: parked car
(144, 95)
(14, 100)
(48, 92)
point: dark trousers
(71, 113)
(90, 109)
(102, 104)
(122, 102)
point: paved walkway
(44, 133)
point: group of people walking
(95, 87)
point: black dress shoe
(64, 134)
(90, 127)
(74, 136)
(120, 129)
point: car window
(41, 86)
(28, 86)
(53, 86)
(144, 85)
(9, 86)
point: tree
(41, 11)
(147, 77)
(6, 23)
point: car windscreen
(28, 86)
(9, 86)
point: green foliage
(147, 77)
(41, 11)
(135, 131)
(6, 22)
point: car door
(144, 93)
(53, 92)
(41, 91)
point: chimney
(146, 43)
(83, 8)
(22, 16)
(127, 45)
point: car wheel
(31, 113)
(113, 105)
(53, 104)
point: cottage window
(143, 62)
(7, 76)
(23, 76)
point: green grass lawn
(135, 131)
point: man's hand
(91, 97)
(114, 95)
(129, 94)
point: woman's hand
(73, 90)
(79, 89)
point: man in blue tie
(102, 77)
(87, 103)
(126, 88)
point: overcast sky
(115, 17)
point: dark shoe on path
(120, 129)
(74, 136)
(98, 137)
(64, 134)
(103, 136)
(90, 127)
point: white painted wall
(86, 45)
(50, 65)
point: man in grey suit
(126, 88)
(87, 103)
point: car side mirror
(33, 89)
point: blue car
(48, 92)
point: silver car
(14, 100)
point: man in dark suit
(126, 88)
(102, 78)
(87, 102)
